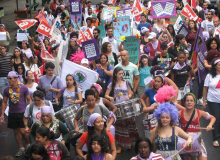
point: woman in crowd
(97, 149)
(211, 56)
(144, 70)
(29, 62)
(48, 120)
(165, 37)
(166, 134)
(193, 127)
(71, 93)
(213, 44)
(144, 149)
(55, 149)
(191, 38)
(21, 73)
(171, 30)
(17, 58)
(25, 46)
(104, 70)
(211, 91)
(34, 109)
(69, 30)
(71, 51)
(47, 44)
(8, 38)
(96, 11)
(97, 88)
(29, 82)
(96, 125)
(90, 108)
(112, 57)
(145, 32)
(37, 152)
(159, 25)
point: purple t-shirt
(117, 90)
(57, 84)
(22, 104)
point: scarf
(100, 157)
(40, 38)
(206, 11)
(178, 67)
(59, 14)
(150, 156)
(154, 44)
(110, 39)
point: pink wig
(164, 93)
(77, 56)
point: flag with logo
(55, 32)
(38, 73)
(25, 24)
(178, 24)
(44, 28)
(188, 12)
(84, 77)
(45, 54)
(136, 9)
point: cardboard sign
(188, 12)
(44, 28)
(131, 44)
(45, 54)
(174, 19)
(56, 30)
(22, 36)
(183, 30)
(91, 50)
(178, 24)
(25, 24)
(75, 7)
(112, 1)
(81, 37)
(163, 9)
(217, 32)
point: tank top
(166, 144)
(193, 125)
(101, 102)
(16, 66)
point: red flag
(45, 54)
(87, 34)
(170, 44)
(188, 12)
(193, 3)
(38, 73)
(44, 28)
(25, 24)
(112, 1)
(136, 9)
(42, 18)
(81, 38)
(217, 32)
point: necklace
(15, 97)
(161, 60)
(100, 157)
(178, 49)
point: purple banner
(183, 30)
(90, 49)
(75, 7)
(200, 48)
(163, 9)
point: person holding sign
(4, 36)
(112, 57)
(191, 38)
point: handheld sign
(75, 7)
(188, 12)
(44, 28)
(25, 24)
(183, 30)
(91, 50)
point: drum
(70, 125)
(66, 112)
(128, 109)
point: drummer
(71, 93)
(119, 90)
(48, 120)
(185, 115)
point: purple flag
(183, 30)
(75, 7)
(200, 48)
(90, 49)
(163, 9)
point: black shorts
(15, 120)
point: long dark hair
(74, 83)
(141, 139)
(105, 47)
(210, 40)
(21, 56)
(44, 131)
(141, 65)
(173, 34)
(101, 57)
(26, 74)
(40, 92)
(23, 73)
(114, 78)
(213, 69)
(178, 37)
(102, 142)
(195, 26)
(38, 149)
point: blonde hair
(50, 115)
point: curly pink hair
(164, 93)
(77, 56)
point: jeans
(3, 83)
(215, 111)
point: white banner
(63, 49)
(178, 24)
(84, 77)
(56, 30)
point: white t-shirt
(83, 28)
(115, 45)
(36, 114)
(33, 68)
(214, 88)
(32, 89)
(206, 25)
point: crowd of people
(162, 80)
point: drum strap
(191, 118)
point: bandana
(154, 44)
(97, 87)
(178, 67)
(110, 39)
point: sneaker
(200, 101)
(20, 153)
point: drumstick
(178, 152)
(202, 128)
(81, 132)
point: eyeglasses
(20, 68)
(9, 78)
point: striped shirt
(5, 64)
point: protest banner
(178, 24)
(107, 15)
(44, 28)
(45, 54)
(75, 7)
(136, 9)
(217, 32)
(91, 50)
(84, 77)
(188, 12)
(38, 73)
(63, 49)
(42, 18)
(200, 48)
(55, 32)
(87, 34)
(131, 44)
(3, 36)
(81, 37)
(183, 30)
(102, 30)
(124, 12)
(25, 24)
(121, 27)
(174, 19)
(163, 9)
(22, 36)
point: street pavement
(8, 145)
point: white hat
(84, 60)
(152, 35)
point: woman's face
(20, 70)
(165, 37)
(181, 58)
(144, 149)
(96, 92)
(90, 100)
(147, 33)
(69, 81)
(39, 139)
(96, 147)
(158, 82)
(46, 42)
(182, 41)
(213, 44)
(17, 53)
(170, 29)
(119, 75)
(190, 102)
(144, 61)
(36, 157)
(218, 66)
(2, 28)
(72, 43)
(25, 58)
(70, 28)
(109, 48)
(171, 98)
(97, 7)
(103, 60)
(24, 45)
(98, 124)
(165, 119)
(30, 75)
(45, 117)
(38, 101)
(191, 24)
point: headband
(71, 75)
(216, 61)
(189, 93)
(144, 55)
(144, 30)
(92, 119)
(147, 49)
(74, 40)
(18, 48)
(42, 93)
(159, 75)
(97, 87)
(25, 41)
(2, 25)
